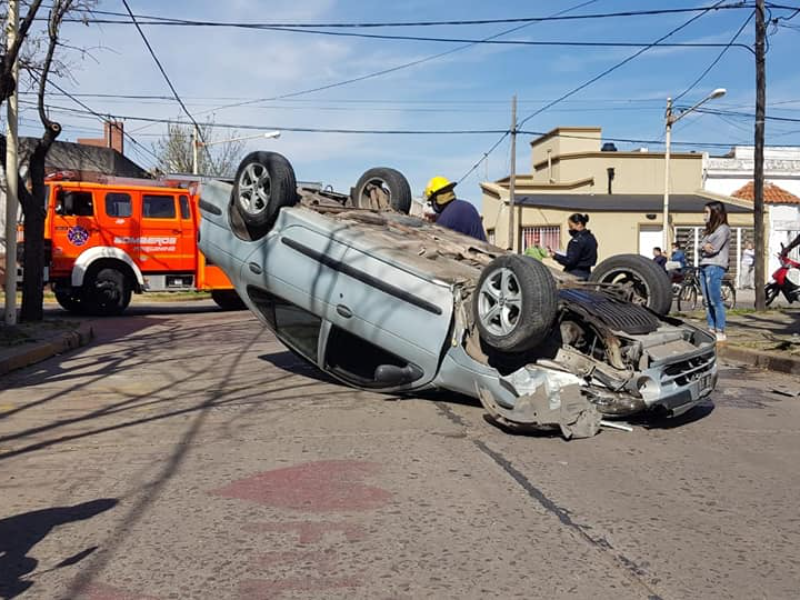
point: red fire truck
(105, 241)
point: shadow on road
(20, 533)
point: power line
(533, 43)
(94, 113)
(395, 68)
(170, 21)
(426, 132)
(198, 131)
(717, 59)
(599, 76)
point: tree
(218, 158)
(33, 200)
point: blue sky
(468, 89)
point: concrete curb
(760, 359)
(39, 351)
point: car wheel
(228, 300)
(648, 282)
(107, 293)
(382, 188)
(515, 303)
(264, 184)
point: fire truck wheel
(228, 300)
(264, 184)
(69, 300)
(107, 293)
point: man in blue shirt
(678, 256)
(455, 214)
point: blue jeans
(711, 284)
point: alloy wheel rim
(500, 302)
(255, 189)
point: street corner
(31, 343)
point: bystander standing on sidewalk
(748, 266)
(714, 249)
(659, 258)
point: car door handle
(344, 311)
(176, 231)
(255, 268)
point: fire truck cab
(106, 241)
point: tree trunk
(34, 212)
(33, 265)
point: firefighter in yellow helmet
(455, 214)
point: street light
(671, 119)
(196, 144)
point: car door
(379, 315)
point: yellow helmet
(437, 186)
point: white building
(732, 175)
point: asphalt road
(187, 454)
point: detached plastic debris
(565, 409)
(783, 390)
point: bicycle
(690, 291)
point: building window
(490, 237)
(547, 236)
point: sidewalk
(768, 340)
(28, 343)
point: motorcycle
(786, 279)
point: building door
(650, 236)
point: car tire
(228, 300)
(515, 303)
(396, 192)
(649, 282)
(106, 293)
(264, 183)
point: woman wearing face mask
(581, 254)
(714, 248)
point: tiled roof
(772, 194)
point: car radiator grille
(686, 371)
(616, 314)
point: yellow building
(622, 192)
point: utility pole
(758, 170)
(12, 175)
(512, 181)
(665, 217)
(195, 150)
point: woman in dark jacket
(581, 254)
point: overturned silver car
(387, 302)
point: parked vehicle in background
(786, 281)
(387, 302)
(689, 294)
(107, 241)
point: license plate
(705, 383)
